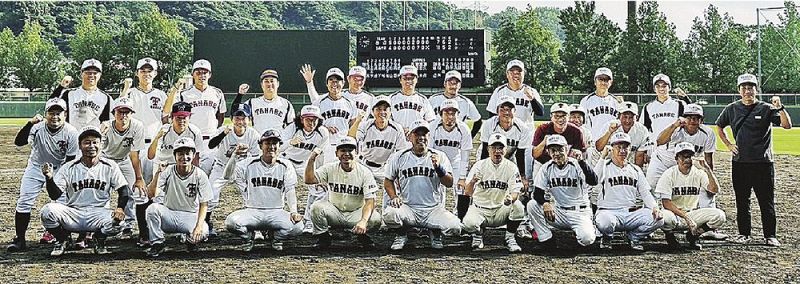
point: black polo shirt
(754, 136)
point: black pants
(761, 178)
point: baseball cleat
(59, 248)
(672, 241)
(47, 238)
(436, 239)
(17, 245)
(143, 243)
(365, 241)
(399, 242)
(277, 244)
(692, 239)
(523, 233)
(308, 228)
(100, 248)
(258, 236)
(740, 239)
(323, 241)
(636, 245)
(156, 250)
(511, 243)
(773, 242)
(127, 233)
(714, 235)
(605, 242)
(477, 241)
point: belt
(293, 161)
(372, 164)
(146, 141)
(206, 137)
(631, 209)
(487, 208)
(573, 208)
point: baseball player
(269, 111)
(356, 78)
(664, 110)
(86, 105)
(265, 182)
(86, 184)
(687, 128)
(627, 123)
(181, 193)
(378, 138)
(412, 182)
(408, 105)
(620, 183)
(339, 112)
(601, 107)
(577, 116)
(494, 184)
(161, 148)
(468, 111)
(208, 109)
(226, 141)
(452, 137)
(352, 194)
(53, 141)
(558, 125)
(565, 179)
(679, 189)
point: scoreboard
(432, 52)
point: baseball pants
(712, 217)
(31, 184)
(78, 219)
(218, 182)
(655, 169)
(326, 216)
(162, 220)
(478, 218)
(436, 218)
(126, 167)
(243, 221)
(579, 220)
(637, 224)
(207, 157)
(146, 164)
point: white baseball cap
(89, 130)
(577, 108)
(693, 109)
(382, 99)
(55, 102)
(628, 106)
(516, 63)
(334, 72)
(201, 64)
(563, 107)
(147, 61)
(556, 139)
(183, 142)
(420, 123)
(620, 137)
(604, 71)
(310, 110)
(91, 62)
(662, 77)
(409, 70)
(448, 104)
(452, 74)
(357, 71)
(683, 146)
(498, 138)
(123, 103)
(346, 141)
(506, 100)
(746, 78)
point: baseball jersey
(599, 111)
(148, 109)
(519, 135)
(183, 193)
(228, 144)
(375, 145)
(362, 101)
(466, 109)
(347, 190)
(205, 106)
(164, 154)
(337, 113)
(566, 185)
(89, 186)
(619, 187)
(407, 109)
(456, 144)
(523, 109)
(683, 190)
(417, 179)
(52, 147)
(271, 114)
(86, 108)
(263, 185)
(496, 181)
(119, 145)
(657, 116)
(640, 138)
(308, 141)
(704, 141)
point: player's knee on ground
(473, 220)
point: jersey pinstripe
(347, 190)
(407, 109)
(148, 109)
(263, 185)
(228, 144)
(566, 185)
(337, 113)
(453, 143)
(683, 190)
(523, 107)
(362, 101)
(119, 145)
(704, 141)
(86, 108)
(418, 183)
(180, 193)
(164, 154)
(599, 111)
(89, 186)
(205, 106)
(52, 147)
(620, 187)
(271, 114)
(466, 108)
(660, 115)
(496, 181)
(375, 145)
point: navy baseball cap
(270, 134)
(181, 109)
(242, 110)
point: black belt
(148, 141)
(372, 164)
(487, 208)
(634, 208)
(573, 208)
(206, 137)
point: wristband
(440, 171)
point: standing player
(181, 192)
(378, 138)
(412, 182)
(269, 111)
(86, 184)
(351, 190)
(664, 110)
(558, 125)
(640, 136)
(620, 184)
(577, 116)
(161, 148)
(452, 137)
(52, 142)
(566, 179)
(355, 92)
(468, 111)
(494, 185)
(87, 105)
(265, 182)
(408, 105)
(339, 112)
(601, 107)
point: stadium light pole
(758, 36)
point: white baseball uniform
(407, 109)
(704, 141)
(569, 193)
(148, 109)
(117, 147)
(488, 208)
(363, 100)
(223, 152)
(519, 135)
(206, 105)
(86, 108)
(175, 206)
(657, 116)
(376, 145)
(640, 139)
(164, 154)
(616, 203)
(685, 191)
(523, 109)
(456, 144)
(466, 108)
(298, 155)
(347, 192)
(271, 114)
(338, 114)
(46, 147)
(599, 111)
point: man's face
(55, 117)
(269, 147)
(684, 160)
(620, 150)
(419, 139)
(693, 122)
(240, 121)
(146, 74)
(355, 82)
(505, 112)
(662, 89)
(515, 75)
(576, 118)
(449, 117)
(452, 86)
(123, 115)
(90, 77)
(497, 152)
(345, 154)
(558, 153)
(180, 121)
(90, 146)
(559, 119)
(184, 156)
(748, 92)
(270, 85)
(627, 119)
(603, 82)
(201, 76)
(381, 112)
(310, 122)
(335, 84)
(408, 81)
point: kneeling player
(351, 195)
(680, 188)
(494, 184)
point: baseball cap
(556, 139)
(270, 134)
(662, 77)
(269, 72)
(92, 63)
(346, 141)
(335, 72)
(516, 63)
(89, 130)
(420, 123)
(123, 103)
(693, 109)
(183, 142)
(498, 138)
(147, 61)
(242, 110)
(577, 108)
(452, 74)
(620, 137)
(562, 107)
(746, 78)
(201, 64)
(683, 146)
(381, 100)
(357, 71)
(506, 100)
(603, 71)
(182, 109)
(449, 104)
(628, 106)
(310, 110)
(55, 102)
(409, 69)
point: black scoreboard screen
(432, 52)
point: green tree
(93, 41)
(7, 47)
(590, 39)
(36, 60)
(780, 53)
(525, 39)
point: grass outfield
(785, 141)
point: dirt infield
(220, 261)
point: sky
(680, 13)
